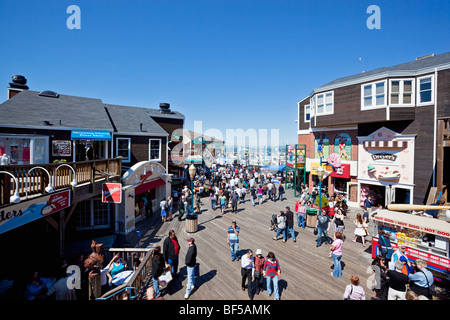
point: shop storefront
(144, 185)
(90, 144)
(23, 149)
(386, 167)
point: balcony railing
(32, 179)
(135, 287)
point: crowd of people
(227, 189)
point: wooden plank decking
(305, 268)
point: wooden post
(62, 232)
(440, 157)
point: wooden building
(396, 119)
(46, 129)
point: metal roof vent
(48, 93)
(164, 108)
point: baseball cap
(190, 240)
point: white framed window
(425, 90)
(373, 95)
(401, 92)
(123, 148)
(307, 113)
(324, 103)
(154, 149)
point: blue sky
(233, 64)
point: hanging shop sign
(25, 212)
(112, 193)
(341, 172)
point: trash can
(191, 223)
(311, 217)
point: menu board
(61, 148)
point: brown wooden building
(404, 162)
(101, 142)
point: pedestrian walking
(170, 207)
(233, 240)
(338, 222)
(336, 254)
(247, 272)
(191, 262)
(271, 271)
(212, 198)
(281, 226)
(354, 291)
(359, 229)
(171, 251)
(158, 266)
(253, 194)
(258, 275)
(322, 226)
(280, 192)
(290, 224)
(163, 206)
(300, 209)
(234, 201)
(223, 202)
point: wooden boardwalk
(305, 268)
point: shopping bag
(165, 278)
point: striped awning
(385, 144)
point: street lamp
(74, 181)
(320, 173)
(16, 197)
(192, 176)
(48, 189)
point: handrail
(34, 182)
(139, 277)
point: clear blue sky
(230, 63)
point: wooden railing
(135, 286)
(33, 181)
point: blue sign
(90, 135)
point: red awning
(148, 186)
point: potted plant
(323, 202)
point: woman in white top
(359, 229)
(354, 291)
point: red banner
(112, 192)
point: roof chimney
(18, 84)
(164, 108)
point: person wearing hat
(397, 282)
(401, 251)
(191, 262)
(259, 266)
(422, 280)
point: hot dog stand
(424, 237)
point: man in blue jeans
(322, 225)
(233, 240)
(290, 224)
(191, 262)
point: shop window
(343, 145)
(23, 150)
(123, 148)
(155, 149)
(92, 214)
(321, 146)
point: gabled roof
(412, 68)
(29, 109)
(126, 119)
